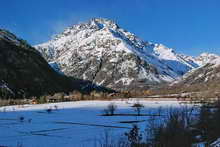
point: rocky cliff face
(104, 53)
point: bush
(21, 118)
(137, 107)
(134, 136)
(107, 139)
(49, 110)
(41, 100)
(174, 131)
(208, 123)
(110, 110)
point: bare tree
(110, 110)
(137, 107)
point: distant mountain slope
(204, 74)
(203, 79)
(206, 58)
(202, 59)
(104, 53)
(24, 72)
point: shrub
(110, 110)
(42, 100)
(208, 122)
(137, 107)
(21, 118)
(56, 107)
(174, 131)
(134, 136)
(107, 139)
(49, 110)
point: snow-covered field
(73, 124)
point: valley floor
(72, 124)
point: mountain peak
(103, 22)
(88, 27)
(205, 54)
(102, 52)
(205, 58)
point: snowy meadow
(75, 124)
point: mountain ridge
(102, 52)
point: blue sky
(188, 26)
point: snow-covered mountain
(202, 59)
(102, 52)
(204, 78)
(205, 58)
